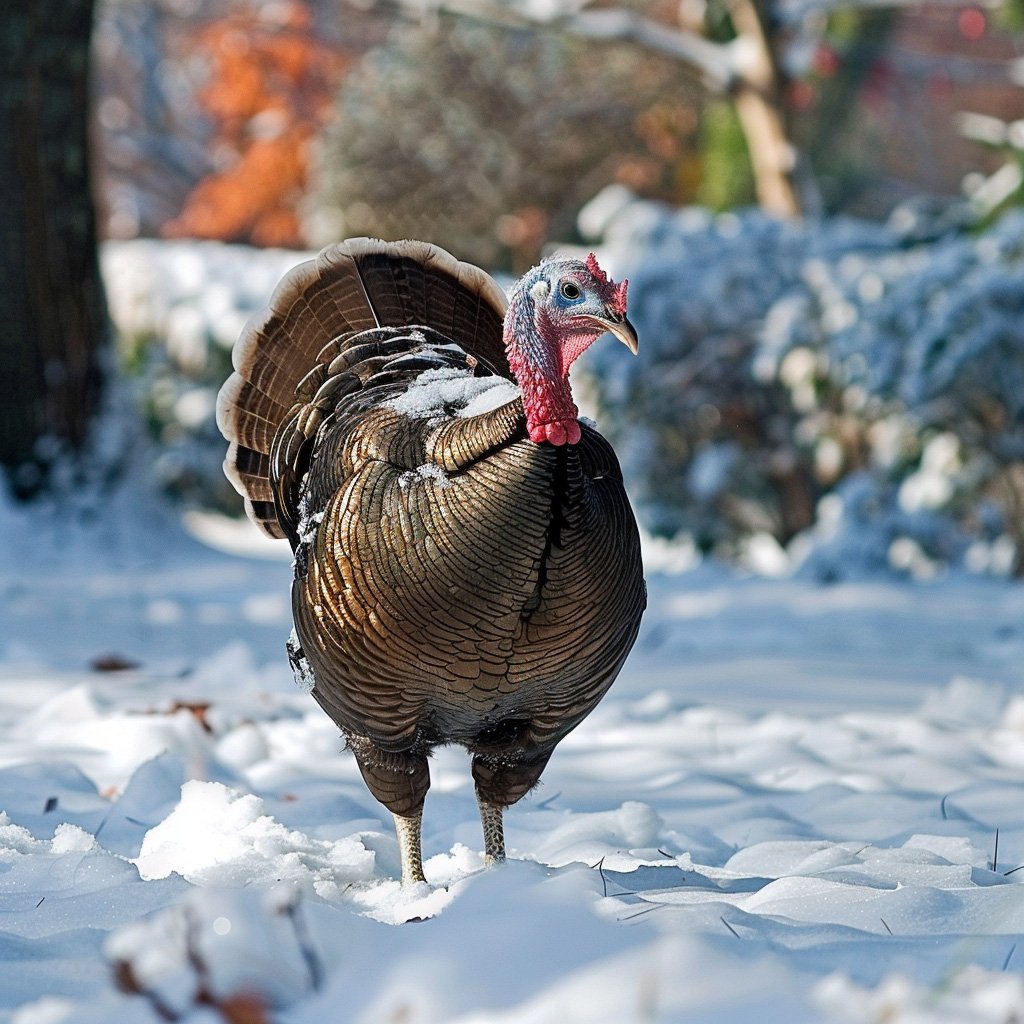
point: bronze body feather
(455, 582)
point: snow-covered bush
(782, 363)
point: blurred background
(817, 204)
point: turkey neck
(534, 355)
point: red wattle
(556, 432)
(550, 412)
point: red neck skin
(540, 357)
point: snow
(843, 356)
(453, 390)
(799, 802)
(427, 472)
(217, 836)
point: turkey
(467, 566)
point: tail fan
(358, 284)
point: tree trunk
(51, 303)
(759, 99)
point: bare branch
(792, 11)
(713, 60)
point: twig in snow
(126, 981)
(995, 852)
(729, 926)
(237, 1006)
(1012, 871)
(942, 807)
(204, 993)
(547, 801)
(106, 818)
(305, 943)
(887, 928)
(640, 913)
(604, 881)
(1006, 962)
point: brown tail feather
(358, 284)
(249, 471)
(247, 415)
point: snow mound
(218, 836)
(815, 384)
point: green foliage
(175, 399)
(178, 308)
(1010, 15)
(727, 180)
(718, 22)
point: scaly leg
(409, 831)
(494, 832)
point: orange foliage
(271, 88)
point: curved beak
(621, 328)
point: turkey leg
(494, 832)
(399, 780)
(409, 831)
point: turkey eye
(570, 290)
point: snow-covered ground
(798, 803)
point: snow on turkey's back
(436, 391)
